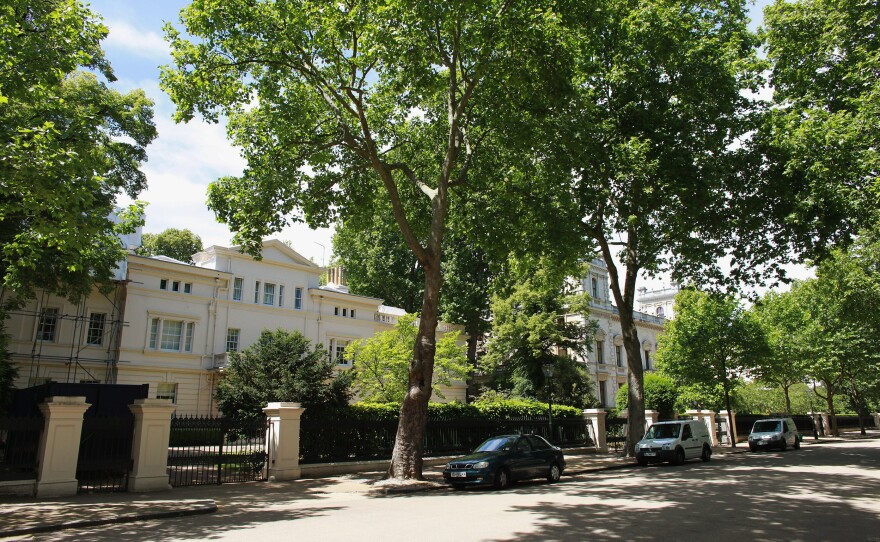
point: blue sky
(185, 158)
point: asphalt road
(822, 492)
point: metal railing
(19, 444)
(207, 450)
(104, 454)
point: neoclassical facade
(170, 324)
(607, 362)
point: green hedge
(496, 410)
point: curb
(121, 518)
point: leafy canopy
(69, 145)
(174, 243)
(380, 364)
(280, 366)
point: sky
(185, 158)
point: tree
(711, 343)
(783, 321)
(821, 138)
(174, 243)
(280, 366)
(842, 305)
(661, 395)
(644, 157)
(530, 330)
(69, 145)
(331, 101)
(380, 364)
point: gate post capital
(282, 437)
(59, 446)
(149, 446)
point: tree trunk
(729, 416)
(624, 298)
(406, 459)
(787, 399)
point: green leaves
(280, 366)
(174, 243)
(70, 146)
(381, 363)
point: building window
(269, 294)
(257, 292)
(298, 298)
(187, 288)
(163, 284)
(335, 311)
(594, 287)
(280, 295)
(352, 313)
(648, 360)
(232, 338)
(337, 351)
(95, 334)
(600, 352)
(167, 390)
(175, 286)
(603, 393)
(48, 325)
(171, 335)
(237, 287)
(618, 351)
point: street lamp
(548, 374)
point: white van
(675, 441)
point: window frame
(42, 321)
(157, 334)
(269, 294)
(298, 298)
(90, 328)
(172, 395)
(237, 288)
(237, 340)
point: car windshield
(766, 426)
(666, 430)
(495, 444)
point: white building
(607, 362)
(170, 324)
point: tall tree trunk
(787, 396)
(729, 414)
(624, 299)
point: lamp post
(548, 374)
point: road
(822, 492)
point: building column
(149, 447)
(283, 438)
(59, 446)
(595, 417)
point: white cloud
(147, 44)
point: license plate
(762, 443)
(461, 474)
(649, 454)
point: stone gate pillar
(596, 418)
(149, 446)
(59, 446)
(651, 417)
(283, 439)
(731, 424)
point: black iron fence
(207, 450)
(615, 433)
(328, 438)
(19, 444)
(105, 454)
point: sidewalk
(27, 516)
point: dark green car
(502, 460)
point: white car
(774, 433)
(675, 441)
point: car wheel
(643, 462)
(458, 487)
(554, 473)
(797, 443)
(679, 457)
(707, 453)
(502, 479)
(783, 446)
(753, 449)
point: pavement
(23, 516)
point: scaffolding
(75, 360)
